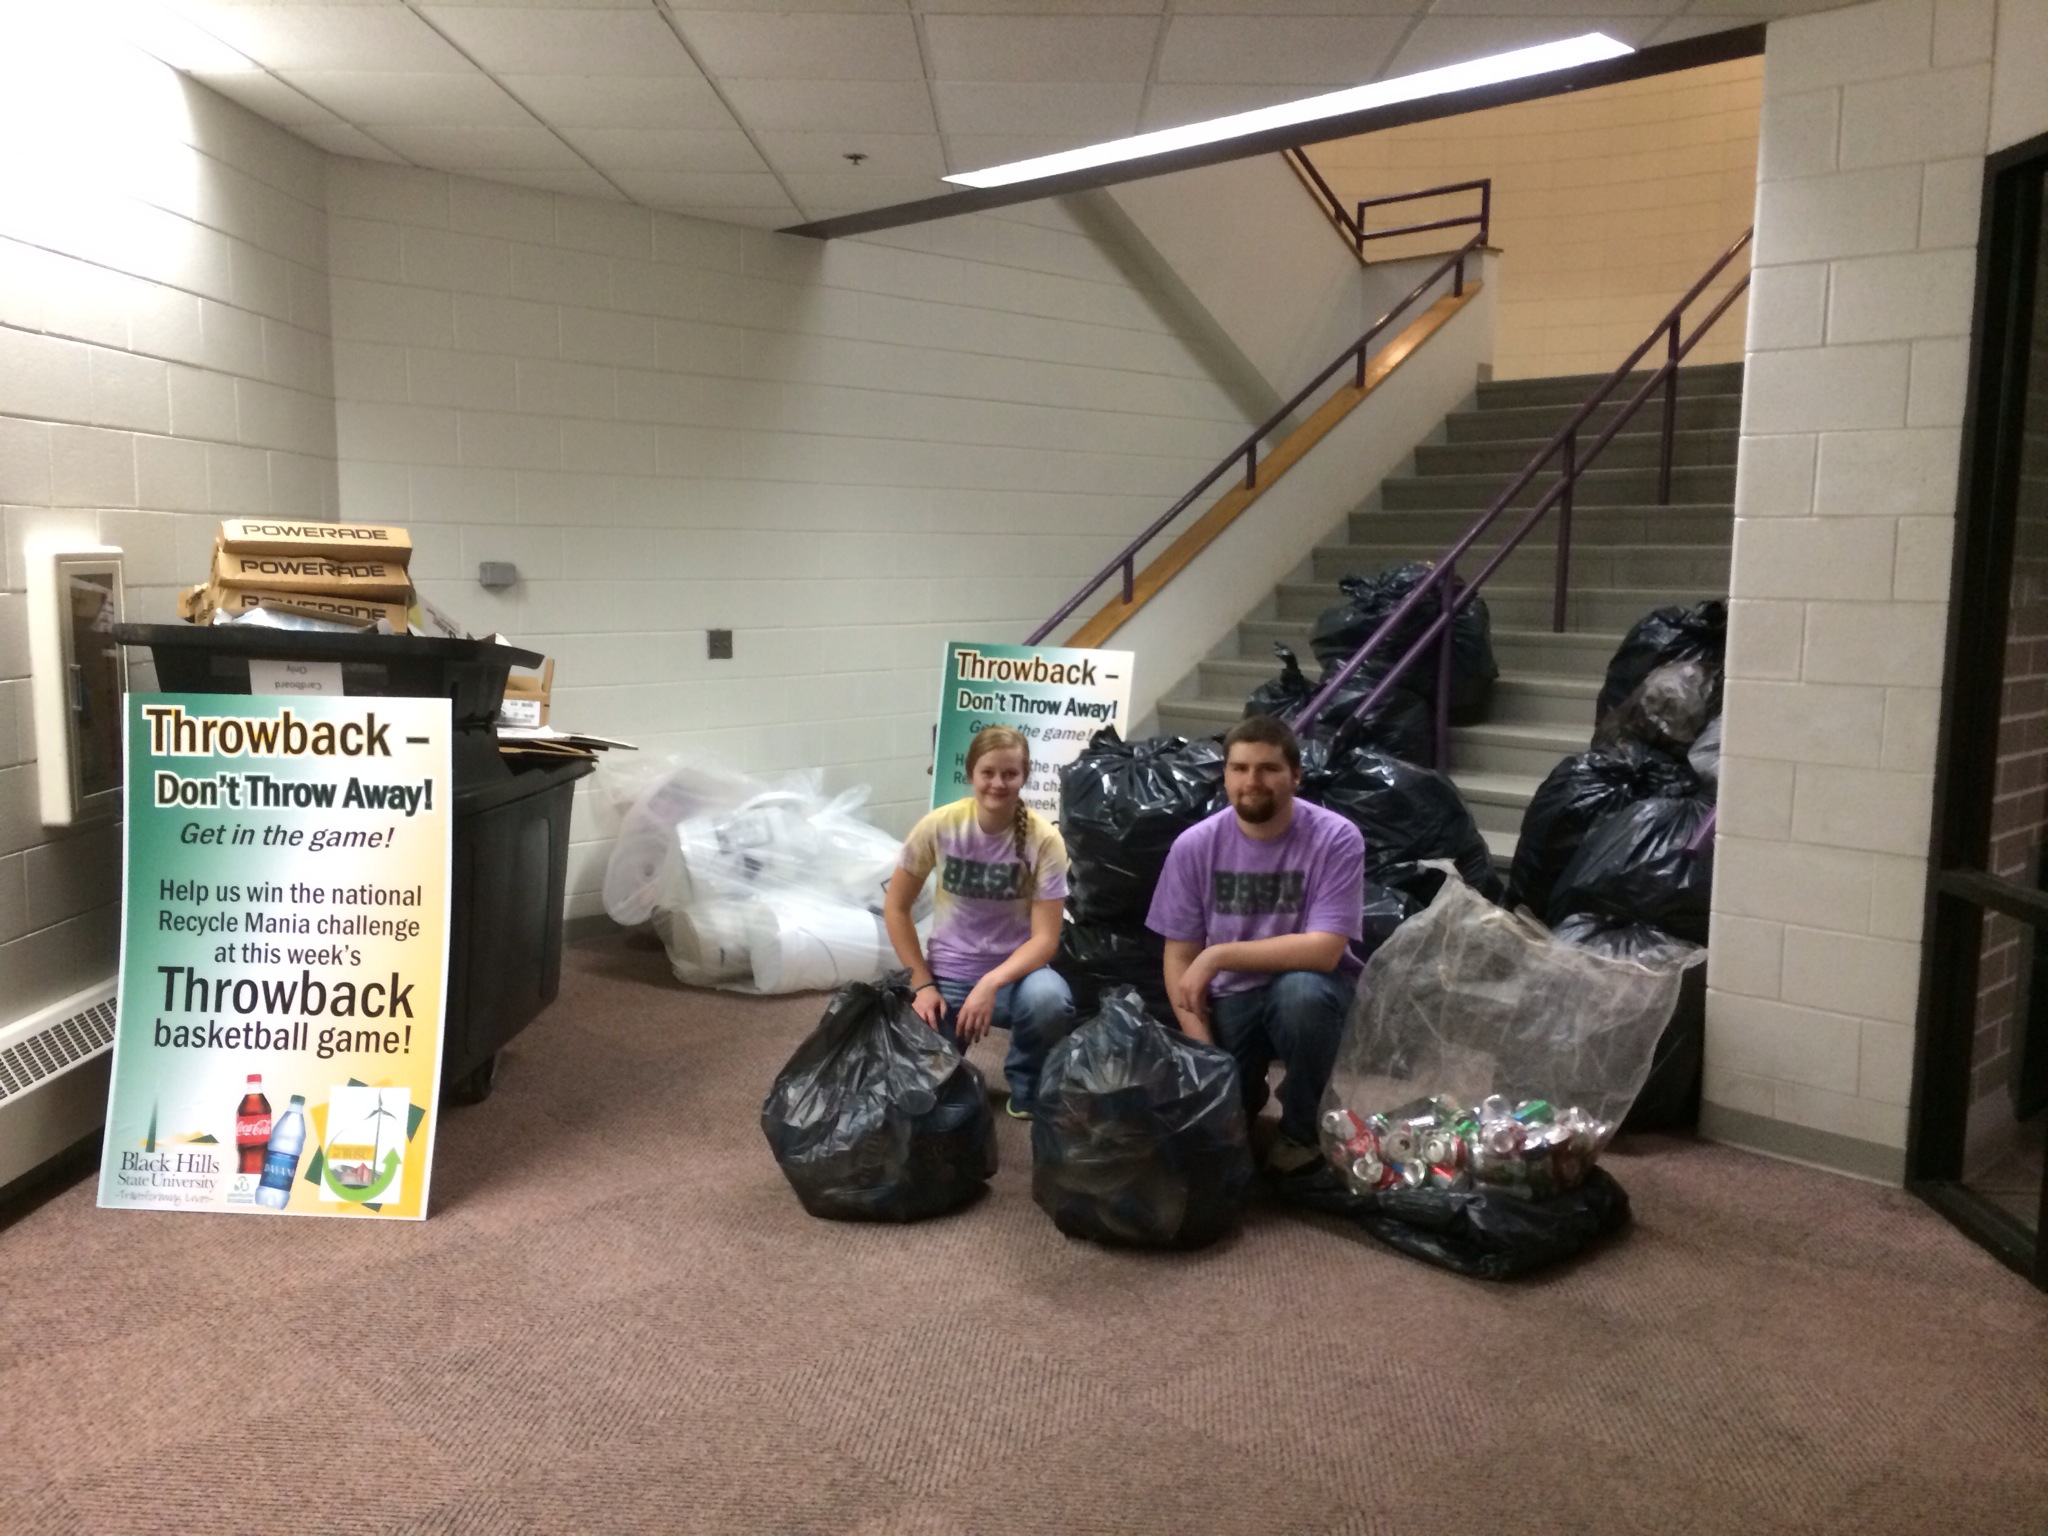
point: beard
(1256, 807)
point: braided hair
(999, 738)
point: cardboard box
(334, 541)
(350, 610)
(359, 578)
(195, 604)
(527, 695)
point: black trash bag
(1579, 791)
(1669, 1099)
(1121, 806)
(1636, 865)
(1093, 957)
(1385, 910)
(1402, 724)
(1704, 756)
(1487, 1231)
(1407, 814)
(1140, 1136)
(1369, 600)
(1284, 694)
(1668, 710)
(1659, 637)
(876, 1117)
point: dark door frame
(2006, 311)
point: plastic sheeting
(751, 885)
(1668, 710)
(1140, 1136)
(876, 1117)
(1579, 791)
(1661, 636)
(1121, 806)
(1369, 600)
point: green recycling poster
(1055, 696)
(284, 955)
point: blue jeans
(1296, 1018)
(1037, 1011)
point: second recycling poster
(284, 955)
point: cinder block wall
(847, 453)
(163, 363)
(1876, 122)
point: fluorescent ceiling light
(1492, 70)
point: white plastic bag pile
(754, 887)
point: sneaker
(1288, 1156)
(1014, 1111)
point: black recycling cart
(511, 820)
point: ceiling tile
(980, 151)
(853, 190)
(1083, 111)
(763, 46)
(328, 36)
(470, 99)
(1041, 47)
(1593, 15)
(342, 139)
(578, 180)
(830, 106)
(1307, 51)
(537, 5)
(1168, 106)
(1680, 27)
(531, 42)
(888, 154)
(1406, 8)
(682, 189)
(616, 150)
(1438, 41)
(1042, 7)
(596, 101)
(267, 96)
(474, 149)
(849, 7)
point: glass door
(1978, 1145)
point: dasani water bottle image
(281, 1157)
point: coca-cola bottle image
(281, 1157)
(252, 1126)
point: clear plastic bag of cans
(1485, 1054)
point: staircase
(1629, 555)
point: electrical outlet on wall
(718, 644)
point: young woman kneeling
(996, 917)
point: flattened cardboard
(377, 579)
(333, 541)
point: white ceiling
(745, 110)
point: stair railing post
(1130, 577)
(1564, 531)
(1251, 464)
(1449, 593)
(1670, 442)
(1486, 211)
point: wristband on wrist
(917, 989)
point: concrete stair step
(1635, 523)
(1572, 389)
(1696, 412)
(1592, 565)
(1524, 750)
(1520, 607)
(1595, 488)
(1532, 647)
(1689, 450)
(1498, 801)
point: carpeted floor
(618, 1319)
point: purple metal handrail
(1248, 450)
(1353, 224)
(1452, 595)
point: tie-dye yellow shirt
(982, 907)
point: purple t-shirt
(982, 911)
(1221, 887)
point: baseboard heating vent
(47, 1043)
(53, 1082)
